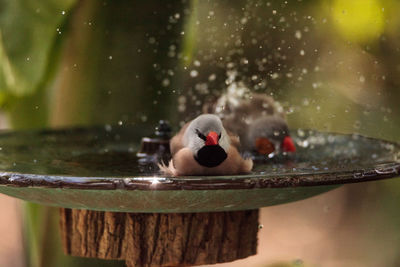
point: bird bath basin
(97, 168)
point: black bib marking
(210, 156)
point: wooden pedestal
(160, 239)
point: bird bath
(132, 212)
(97, 169)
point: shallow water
(111, 152)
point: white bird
(257, 119)
(203, 147)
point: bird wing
(235, 140)
(176, 143)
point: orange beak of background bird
(264, 146)
(212, 139)
(288, 145)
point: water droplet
(300, 133)
(108, 127)
(202, 88)
(274, 76)
(305, 143)
(165, 82)
(152, 40)
(182, 99)
(181, 107)
(297, 35)
(194, 73)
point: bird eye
(200, 135)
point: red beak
(288, 145)
(212, 139)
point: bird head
(207, 139)
(269, 134)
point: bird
(204, 147)
(257, 119)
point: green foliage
(189, 42)
(29, 32)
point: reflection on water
(111, 152)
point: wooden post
(160, 239)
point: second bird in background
(257, 119)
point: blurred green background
(333, 64)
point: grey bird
(258, 121)
(203, 147)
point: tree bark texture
(160, 239)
